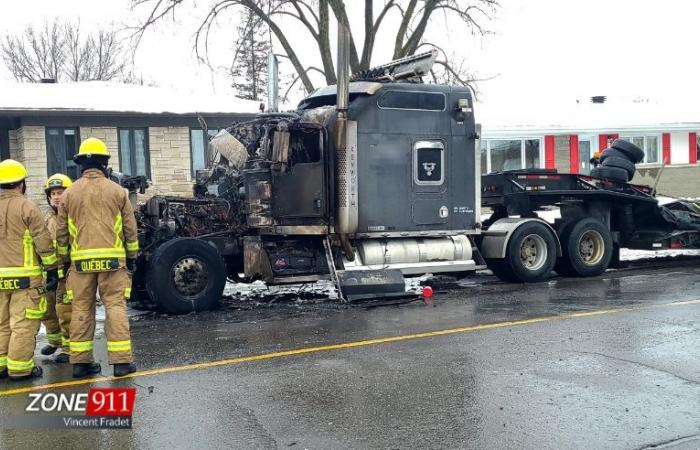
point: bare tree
(61, 51)
(414, 18)
(35, 54)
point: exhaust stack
(346, 152)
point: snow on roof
(101, 96)
(617, 113)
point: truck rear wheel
(186, 275)
(586, 249)
(530, 254)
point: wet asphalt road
(628, 379)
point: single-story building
(564, 135)
(149, 131)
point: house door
(586, 147)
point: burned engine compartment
(234, 196)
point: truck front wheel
(530, 254)
(186, 275)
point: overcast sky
(542, 48)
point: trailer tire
(610, 173)
(186, 275)
(634, 153)
(612, 153)
(621, 163)
(530, 254)
(587, 248)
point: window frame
(429, 143)
(523, 154)
(444, 104)
(645, 135)
(76, 129)
(206, 146)
(132, 150)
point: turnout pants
(114, 288)
(57, 319)
(21, 312)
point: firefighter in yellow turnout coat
(97, 230)
(27, 251)
(57, 319)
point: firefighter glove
(131, 265)
(51, 280)
(66, 268)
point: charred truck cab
(362, 187)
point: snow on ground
(100, 315)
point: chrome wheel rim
(533, 252)
(591, 247)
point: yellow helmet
(92, 147)
(57, 181)
(12, 171)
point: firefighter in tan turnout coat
(97, 230)
(27, 251)
(58, 313)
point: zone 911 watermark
(99, 408)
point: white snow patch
(258, 289)
(627, 254)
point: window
(61, 146)
(423, 101)
(510, 154)
(133, 152)
(697, 147)
(4, 144)
(429, 162)
(198, 148)
(650, 144)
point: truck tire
(611, 152)
(530, 254)
(634, 153)
(587, 248)
(611, 173)
(621, 163)
(186, 275)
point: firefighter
(57, 319)
(97, 229)
(26, 247)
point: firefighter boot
(37, 372)
(3, 374)
(48, 349)
(61, 358)
(82, 370)
(121, 370)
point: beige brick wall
(28, 145)
(108, 135)
(676, 181)
(562, 153)
(169, 148)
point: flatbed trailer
(598, 218)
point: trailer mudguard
(495, 240)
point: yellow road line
(346, 345)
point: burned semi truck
(379, 178)
(366, 181)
